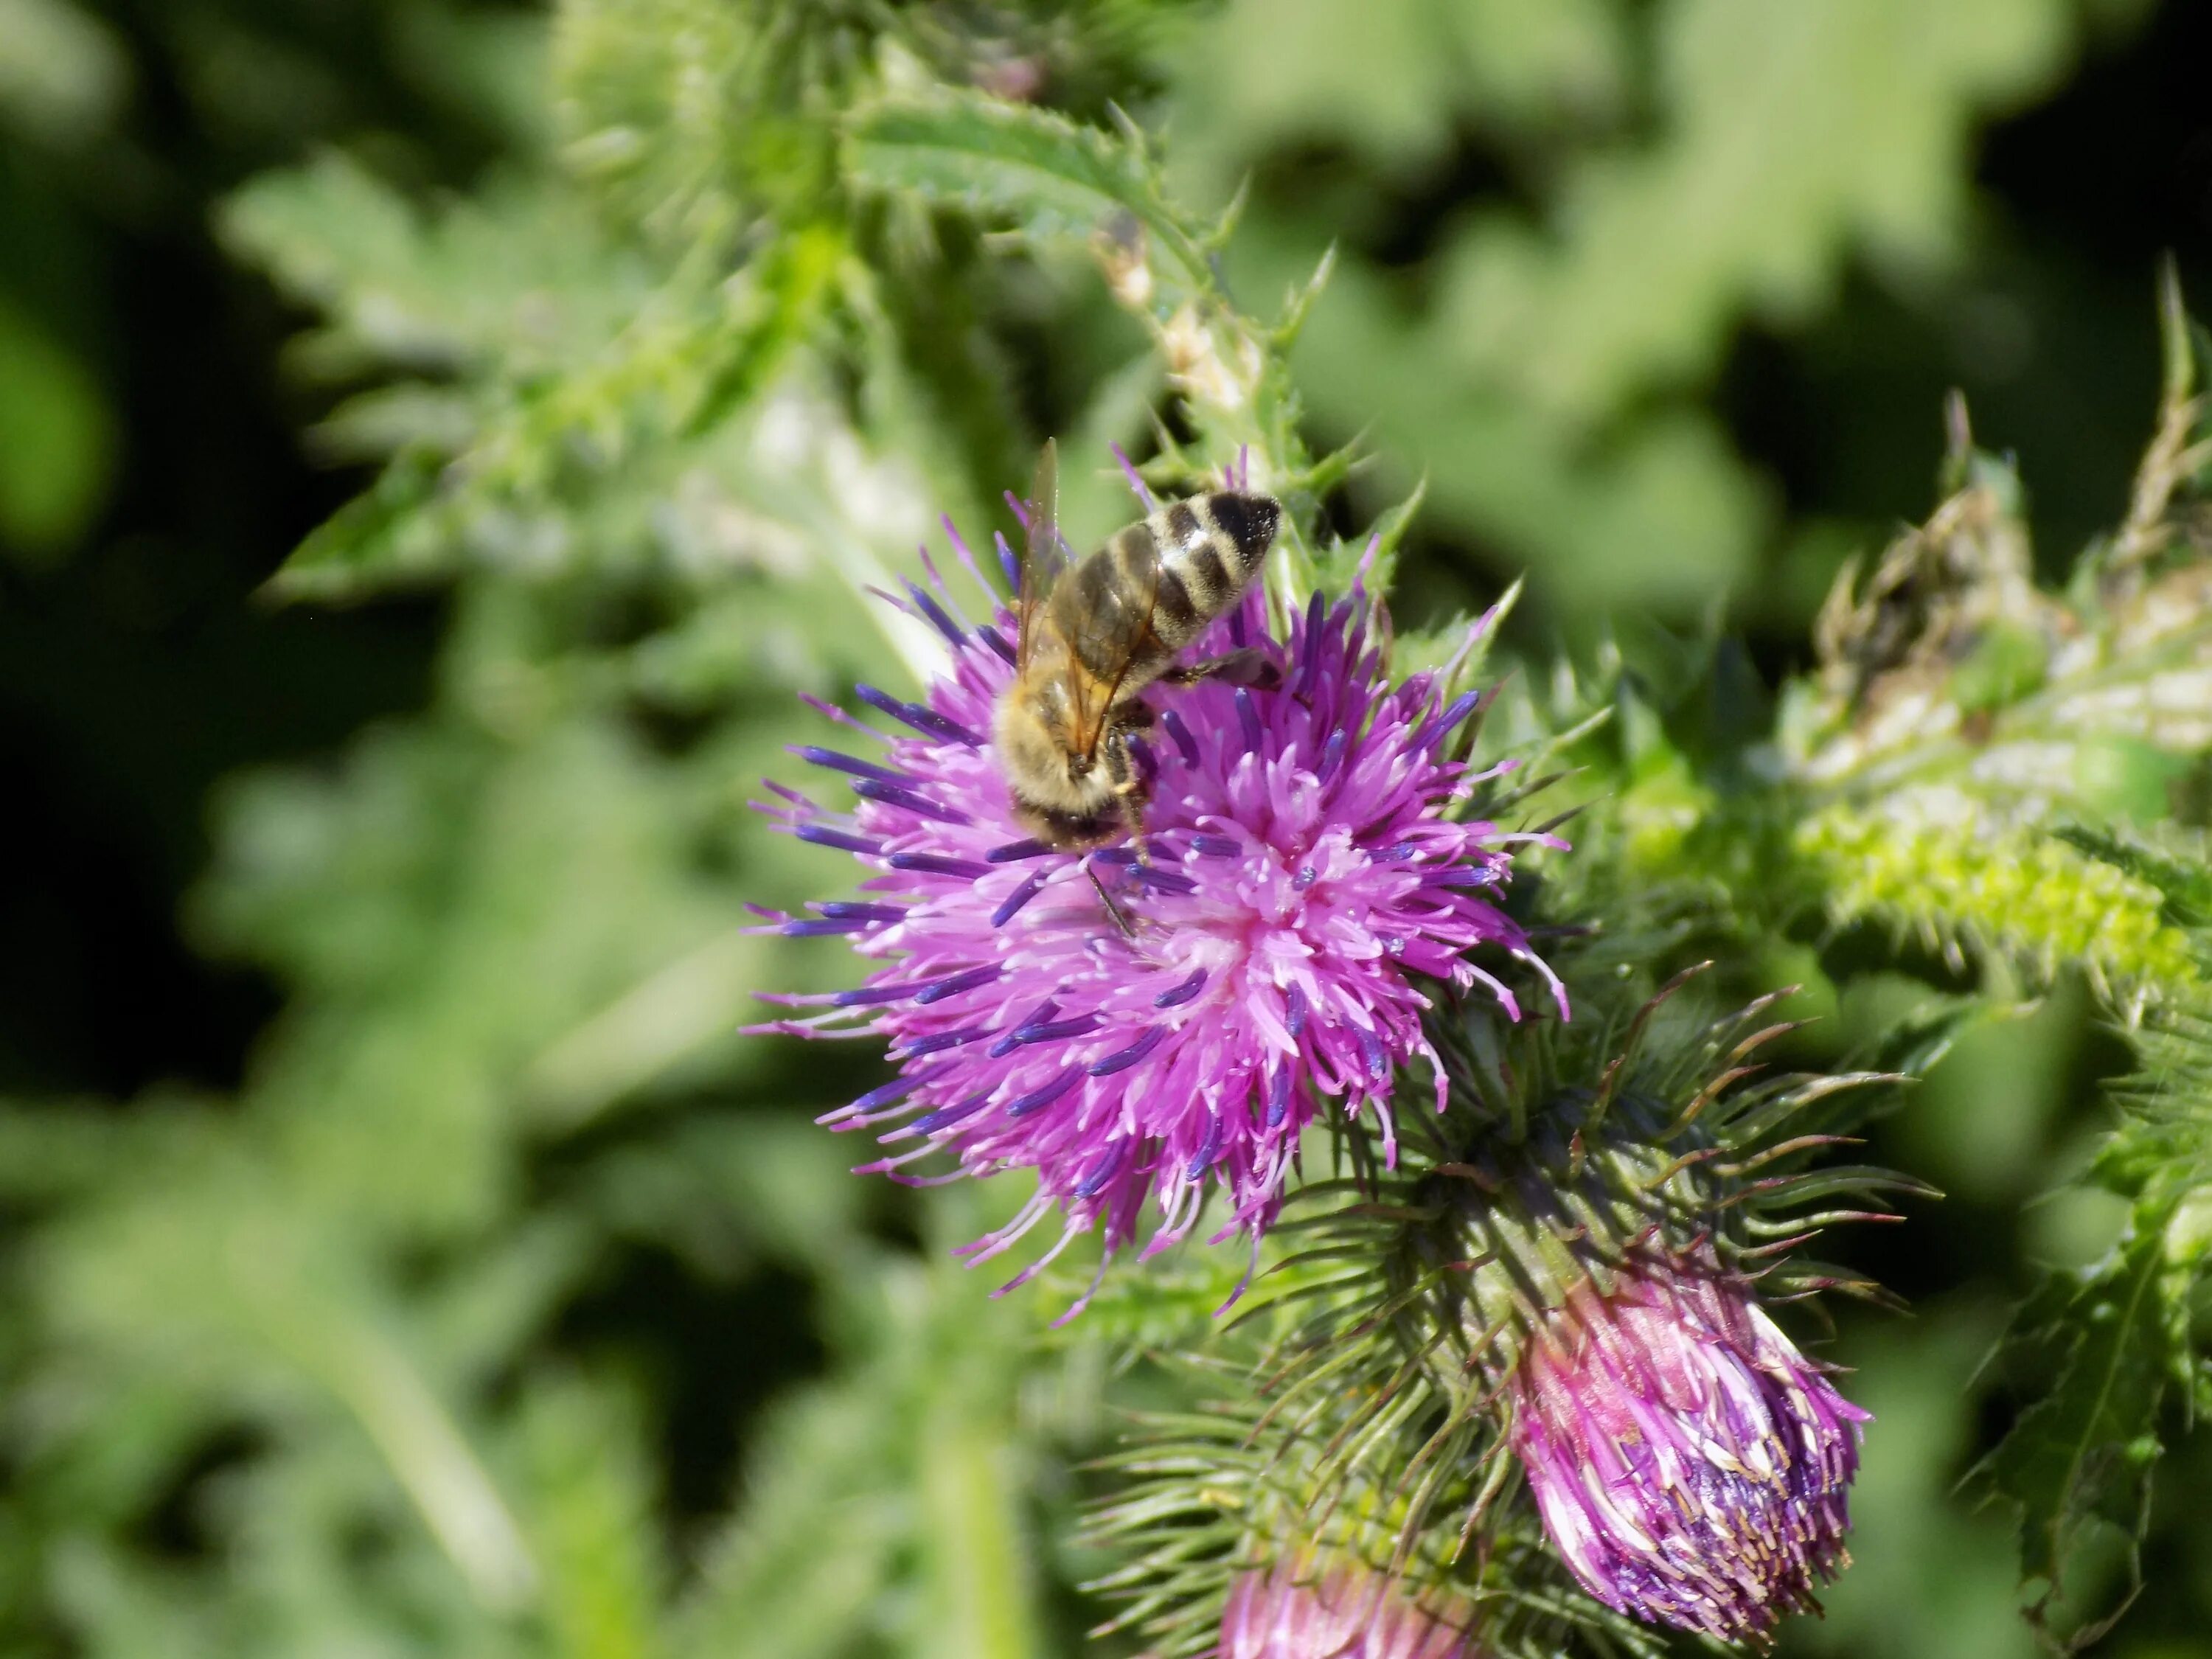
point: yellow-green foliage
(1958, 887)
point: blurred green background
(401, 1256)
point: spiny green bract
(1962, 889)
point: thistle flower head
(1691, 1466)
(1305, 1609)
(1308, 891)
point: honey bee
(1094, 633)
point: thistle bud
(1691, 1465)
(1562, 1276)
(1305, 1609)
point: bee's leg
(1114, 755)
(1121, 920)
(1133, 809)
(1129, 790)
(1246, 667)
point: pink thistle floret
(1691, 1465)
(1307, 892)
(1301, 1610)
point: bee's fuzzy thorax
(1026, 746)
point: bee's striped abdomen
(1127, 609)
(1212, 545)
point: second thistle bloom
(1691, 1465)
(1308, 888)
(1304, 1609)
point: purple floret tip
(1310, 1605)
(1137, 484)
(1309, 887)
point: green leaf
(56, 439)
(1052, 178)
(1757, 95)
(2175, 861)
(562, 392)
(1010, 162)
(384, 540)
(1784, 141)
(815, 1541)
(64, 75)
(1391, 81)
(2092, 1357)
(590, 1514)
(518, 274)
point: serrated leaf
(2175, 861)
(2092, 1357)
(815, 1542)
(2161, 1157)
(1051, 178)
(1542, 327)
(382, 540)
(1004, 162)
(518, 274)
(576, 390)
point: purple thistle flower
(1307, 889)
(1297, 1610)
(1691, 1465)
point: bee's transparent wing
(1113, 633)
(1044, 556)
